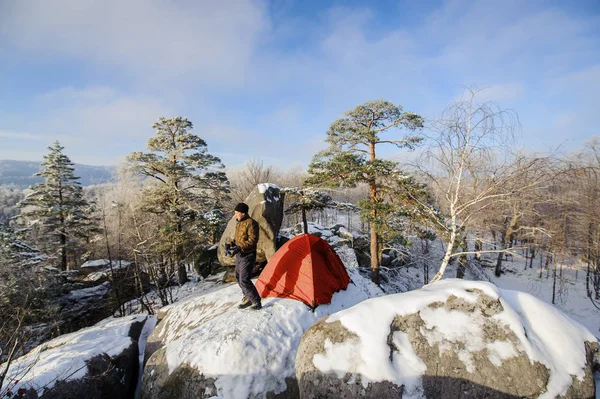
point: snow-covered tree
(351, 158)
(21, 299)
(184, 181)
(56, 210)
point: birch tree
(471, 166)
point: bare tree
(470, 165)
(245, 180)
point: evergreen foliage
(351, 159)
(185, 183)
(56, 210)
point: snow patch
(552, 338)
(99, 290)
(263, 187)
(105, 263)
(64, 358)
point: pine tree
(351, 159)
(185, 182)
(56, 210)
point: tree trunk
(547, 265)
(588, 277)
(425, 263)
(478, 248)
(447, 256)
(498, 270)
(462, 261)
(532, 256)
(304, 221)
(374, 253)
(510, 227)
(63, 251)
(554, 284)
(182, 276)
(374, 236)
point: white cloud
(96, 113)
(209, 41)
(21, 135)
(96, 124)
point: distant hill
(20, 173)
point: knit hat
(241, 207)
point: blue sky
(264, 79)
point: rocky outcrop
(468, 344)
(265, 204)
(97, 362)
(205, 346)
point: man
(244, 249)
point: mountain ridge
(21, 173)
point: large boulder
(205, 346)
(96, 362)
(451, 339)
(265, 205)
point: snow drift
(454, 338)
(94, 362)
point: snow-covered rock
(315, 229)
(450, 339)
(99, 264)
(95, 362)
(265, 205)
(205, 346)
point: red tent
(305, 268)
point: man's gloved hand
(232, 249)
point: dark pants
(244, 264)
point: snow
(96, 276)
(571, 291)
(263, 187)
(105, 263)
(146, 331)
(64, 358)
(552, 338)
(316, 229)
(99, 290)
(95, 263)
(247, 352)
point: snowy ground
(571, 295)
(248, 353)
(64, 358)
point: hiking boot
(245, 299)
(256, 306)
(244, 305)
